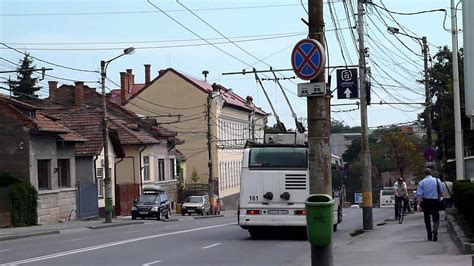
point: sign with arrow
(347, 85)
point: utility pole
(367, 219)
(458, 138)
(210, 188)
(105, 133)
(319, 128)
(429, 140)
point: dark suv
(153, 202)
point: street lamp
(424, 50)
(107, 181)
(210, 189)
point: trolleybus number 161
(253, 198)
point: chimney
(79, 93)
(161, 72)
(124, 87)
(249, 100)
(147, 74)
(131, 78)
(53, 89)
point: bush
(24, 200)
(463, 198)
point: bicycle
(401, 209)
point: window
(100, 182)
(172, 173)
(161, 169)
(44, 173)
(64, 173)
(279, 157)
(146, 168)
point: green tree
(25, 85)
(339, 127)
(440, 81)
(195, 176)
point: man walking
(427, 196)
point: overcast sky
(78, 34)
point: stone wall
(54, 206)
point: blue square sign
(347, 83)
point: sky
(73, 36)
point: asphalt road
(217, 241)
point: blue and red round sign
(308, 59)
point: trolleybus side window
(281, 157)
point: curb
(101, 226)
(208, 217)
(458, 236)
(18, 236)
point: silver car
(196, 204)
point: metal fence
(5, 208)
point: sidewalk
(400, 244)
(57, 228)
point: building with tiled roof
(39, 149)
(143, 151)
(179, 101)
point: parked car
(195, 204)
(153, 202)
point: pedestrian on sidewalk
(428, 194)
(447, 194)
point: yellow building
(181, 104)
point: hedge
(24, 200)
(464, 198)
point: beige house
(180, 103)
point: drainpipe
(140, 161)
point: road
(216, 241)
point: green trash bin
(319, 219)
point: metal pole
(210, 188)
(319, 126)
(429, 140)
(105, 133)
(458, 138)
(367, 217)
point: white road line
(111, 244)
(150, 263)
(4, 250)
(210, 246)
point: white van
(387, 198)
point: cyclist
(401, 195)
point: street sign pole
(319, 125)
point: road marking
(210, 246)
(4, 250)
(80, 250)
(150, 263)
(134, 231)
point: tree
(401, 152)
(195, 176)
(25, 85)
(339, 127)
(440, 81)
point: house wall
(14, 152)
(56, 203)
(178, 97)
(85, 169)
(101, 185)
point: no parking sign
(308, 59)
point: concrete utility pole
(458, 138)
(319, 130)
(105, 133)
(367, 219)
(210, 188)
(429, 140)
